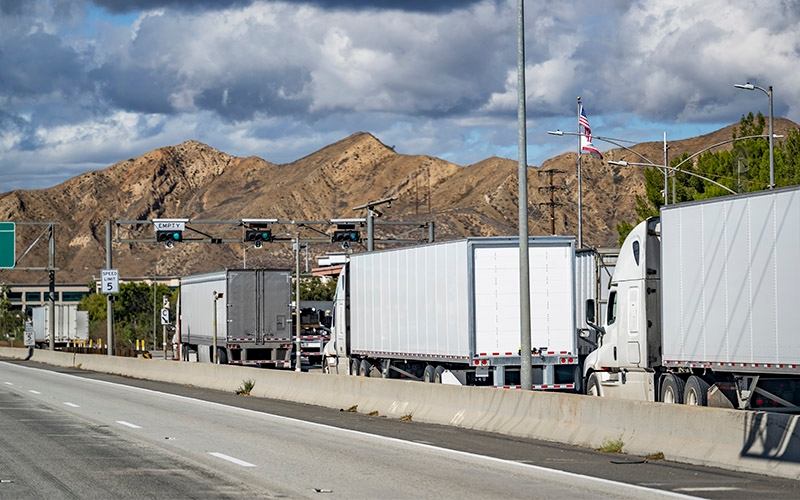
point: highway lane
(136, 439)
(292, 458)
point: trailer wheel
(593, 386)
(672, 389)
(222, 356)
(427, 375)
(365, 368)
(437, 374)
(696, 392)
(354, 364)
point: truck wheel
(354, 364)
(222, 356)
(593, 386)
(437, 375)
(672, 389)
(696, 392)
(325, 368)
(365, 368)
(427, 375)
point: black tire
(696, 392)
(365, 368)
(672, 388)
(222, 356)
(593, 385)
(427, 375)
(437, 374)
(325, 368)
(354, 364)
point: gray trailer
(71, 325)
(239, 317)
(450, 312)
(702, 306)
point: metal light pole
(580, 189)
(109, 297)
(526, 373)
(298, 361)
(750, 86)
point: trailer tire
(365, 369)
(593, 386)
(354, 364)
(437, 374)
(672, 388)
(696, 391)
(222, 356)
(427, 375)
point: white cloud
(280, 80)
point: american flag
(586, 138)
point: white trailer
(450, 312)
(239, 317)
(71, 325)
(702, 307)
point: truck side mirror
(590, 310)
(590, 318)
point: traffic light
(169, 236)
(258, 236)
(346, 235)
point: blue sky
(86, 84)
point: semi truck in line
(449, 312)
(702, 307)
(240, 317)
(71, 325)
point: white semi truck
(71, 325)
(240, 317)
(702, 307)
(450, 312)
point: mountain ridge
(196, 181)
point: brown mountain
(195, 181)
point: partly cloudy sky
(87, 83)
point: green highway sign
(7, 253)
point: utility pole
(552, 188)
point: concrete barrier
(764, 443)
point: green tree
(133, 312)
(315, 288)
(11, 320)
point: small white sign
(110, 280)
(165, 316)
(165, 301)
(30, 336)
(169, 225)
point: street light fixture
(674, 169)
(750, 86)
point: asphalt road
(78, 436)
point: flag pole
(580, 200)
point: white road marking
(8, 383)
(128, 424)
(708, 488)
(34, 392)
(73, 405)
(231, 459)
